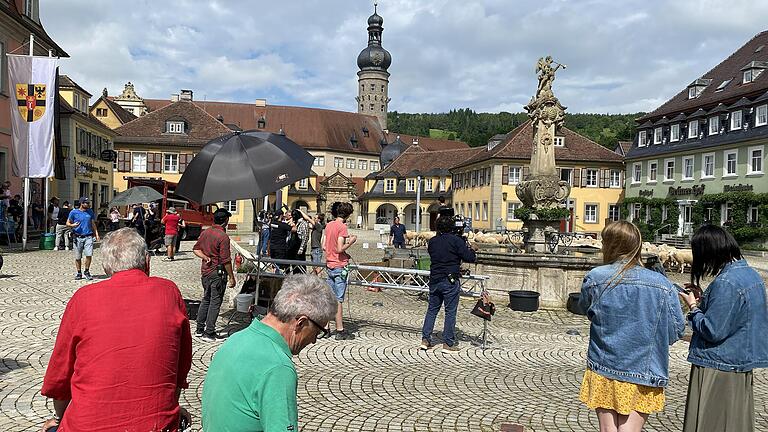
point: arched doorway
(408, 218)
(385, 214)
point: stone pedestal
(535, 238)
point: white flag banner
(32, 80)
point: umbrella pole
(258, 252)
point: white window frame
(319, 160)
(653, 171)
(750, 160)
(511, 207)
(514, 179)
(753, 210)
(693, 129)
(485, 210)
(637, 173)
(614, 209)
(641, 138)
(636, 207)
(615, 179)
(559, 141)
(693, 168)
(704, 174)
(230, 206)
(674, 132)
(658, 133)
(165, 163)
(593, 218)
(134, 165)
(351, 163)
(428, 184)
(374, 166)
(338, 162)
(761, 111)
(477, 211)
(570, 175)
(726, 170)
(747, 76)
(410, 185)
(389, 185)
(692, 92)
(734, 116)
(175, 127)
(725, 209)
(362, 164)
(589, 177)
(302, 184)
(441, 184)
(667, 177)
(713, 122)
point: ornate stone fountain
(543, 190)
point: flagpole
(46, 181)
(26, 179)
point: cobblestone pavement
(379, 381)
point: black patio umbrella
(244, 165)
(135, 195)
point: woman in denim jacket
(730, 335)
(636, 315)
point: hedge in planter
(708, 210)
(550, 214)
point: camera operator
(446, 250)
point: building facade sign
(738, 188)
(681, 191)
(645, 193)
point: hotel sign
(645, 193)
(738, 188)
(681, 191)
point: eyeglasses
(326, 332)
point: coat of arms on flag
(31, 101)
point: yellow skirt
(598, 391)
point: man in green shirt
(251, 383)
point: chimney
(261, 102)
(186, 95)
(174, 97)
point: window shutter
(621, 178)
(158, 162)
(602, 183)
(183, 161)
(576, 177)
(526, 173)
(153, 162)
(505, 174)
(583, 177)
(121, 162)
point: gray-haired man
(264, 399)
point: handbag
(484, 308)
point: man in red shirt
(123, 350)
(337, 241)
(213, 248)
(172, 221)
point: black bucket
(192, 307)
(524, 301)
(573, 304)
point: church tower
(373, 78)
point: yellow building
(109, 112)
(83, 139)
(392, 192)
(484, 185)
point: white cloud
(622, 56)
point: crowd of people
(635, 315)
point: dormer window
(657, 134)
(492, 144)
(752, 70)
(559, 141)
(641, 138)
(714, 125)
(696, 87)
(175, 127)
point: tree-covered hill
(475, 128)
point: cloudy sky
(622, 56)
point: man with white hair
(264, 398)
(124, 348)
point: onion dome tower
(373, 78)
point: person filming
(447, 251)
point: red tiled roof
(312, 128)
(202, 127)
(730, 68)
(416, 158)
(427, 143)
(121, 113)
(519, 143)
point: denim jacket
(730, 327)
(634, 322)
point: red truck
(195, 216)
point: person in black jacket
(447, 251)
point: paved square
(379, 381)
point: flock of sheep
(669, 256)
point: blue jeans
(264, 241)
(442, 293)
(317, 255)
(337, 279)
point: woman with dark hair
(635, 316)
(730, 327)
